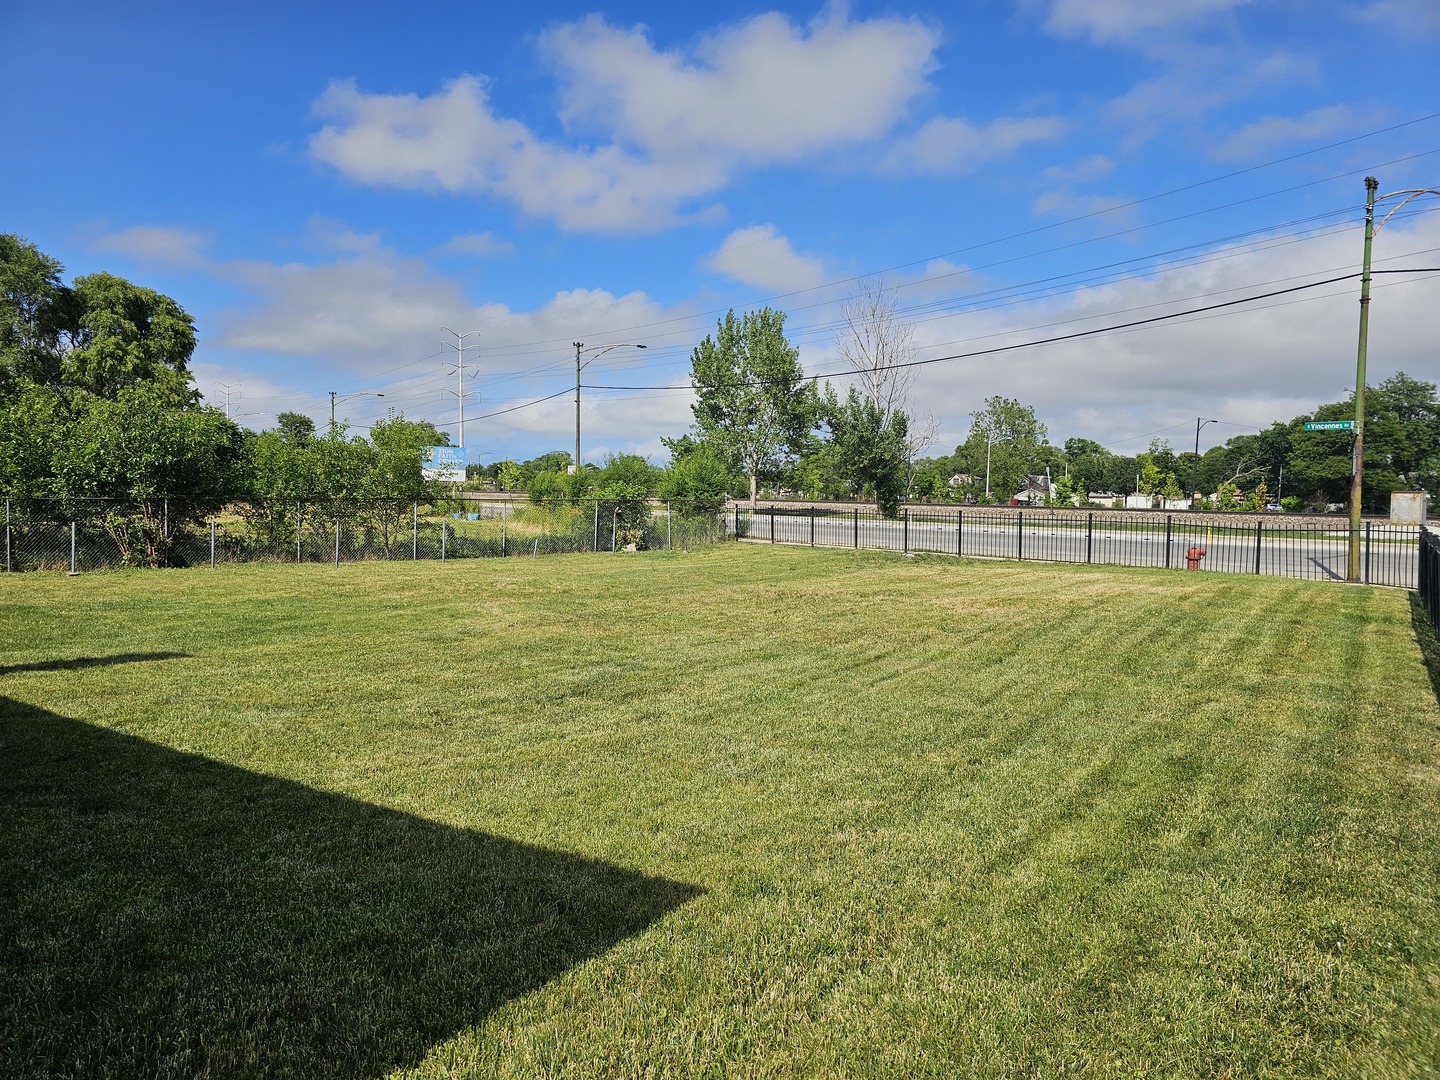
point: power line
(1076, 335)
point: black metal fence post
(1429, 580)
(772, 524)
(1020, 535)
(1168, 519)
(1259, 529)
(905, 534)
(1367, 552)
(959, 532)
(812, 526)
(1089, 534)
(857, 528)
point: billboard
(444, 463)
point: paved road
(1312, 553)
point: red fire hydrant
(1193, 557)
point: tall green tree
(753, 403)
(36, 313)
(1013, 436)
(125, 335)
(870, 447)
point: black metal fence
(1283, 547)
(103, 535)
(1429, 575)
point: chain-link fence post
(7, 536)
(212, 545)
(414, 531)
(73, 572)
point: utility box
(1409, 507)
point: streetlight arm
(581, 363)
(1411, 193)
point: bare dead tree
(878, 344)
(875, 342)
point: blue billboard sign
(445, 463)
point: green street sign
(1329, 425)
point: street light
(1352, 568)
(989, 439)
(595, 352)
(347, 397)
(1195, 468)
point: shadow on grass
(163, 914)
(91, 661)
(1425, 636)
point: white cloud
(1404, 16)
(673, 128)
(1091, 167)
(760, 256)
(949, 144)
(360, 305)
(762, 90)
(1264, 135)
(1067, 204)
(1199, 82)
(1126, 20)
(1247, 365)
(453, 142)
(156, 244)
(483, 245)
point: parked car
(1273, 508)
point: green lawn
(746, 811)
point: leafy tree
(509, 476)
(35, 313)
(869, 447)
(125, 335)
(1014, 440)
(753, 402)
(699, 481)
(295, 427)
(930, 479)
(555, 461)
(33, 425)
(625, 483)
(151, 462)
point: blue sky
(324, 190)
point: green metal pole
(1352, 566)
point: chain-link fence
(79, 536)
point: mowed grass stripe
(949, 817)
